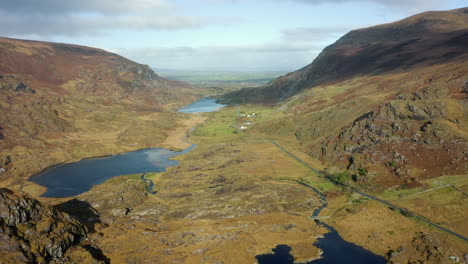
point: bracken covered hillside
(421, 40)
(387, 101)
(62, 102)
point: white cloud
(77, 6)
(313, 34)
(90, 17)
(74, 25)
(401, 5)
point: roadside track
(362, 193)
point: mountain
(63, 102)
(54, 69)
(421, 40)
(385, 104)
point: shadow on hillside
(82, 211)
(97, 253)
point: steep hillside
(62, 102)
(53, 69)
(387, 104)
(418, 41)
(31, 232)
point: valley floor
(237, 195)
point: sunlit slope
(387, 101)
(418, 41)
(62, 102)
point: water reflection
(203, 105)
(75, 178)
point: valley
(360, 156)
(183, 205)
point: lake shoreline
(174, 142)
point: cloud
(393, 4)
(67, 7)
(311, 34)
(79, 25)
(91, 17)
(401, 5)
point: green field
(221, 82)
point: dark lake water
(202, 105)
(75, 178)
(335, 248)
(72, 179)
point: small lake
(72, 179)
(76, 178)
(335, 249)
(202, 105)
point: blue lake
(72, 179)
(75, 178)
(203, 105)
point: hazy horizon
(206, 35)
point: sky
(205, 35)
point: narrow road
(364, 194)
(427, 190)
(414, 215)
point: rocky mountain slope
(421, 40)
(31, 232)
(387, 101)
(62, 102)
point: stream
(335, 249)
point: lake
(202, 105)
(72, 179)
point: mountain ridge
(376, 49)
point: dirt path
(176, 137)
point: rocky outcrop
(424, 248)
(413, 133)
(118, 198)
(12, 83)
(31, 232)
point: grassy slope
(62, 103)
